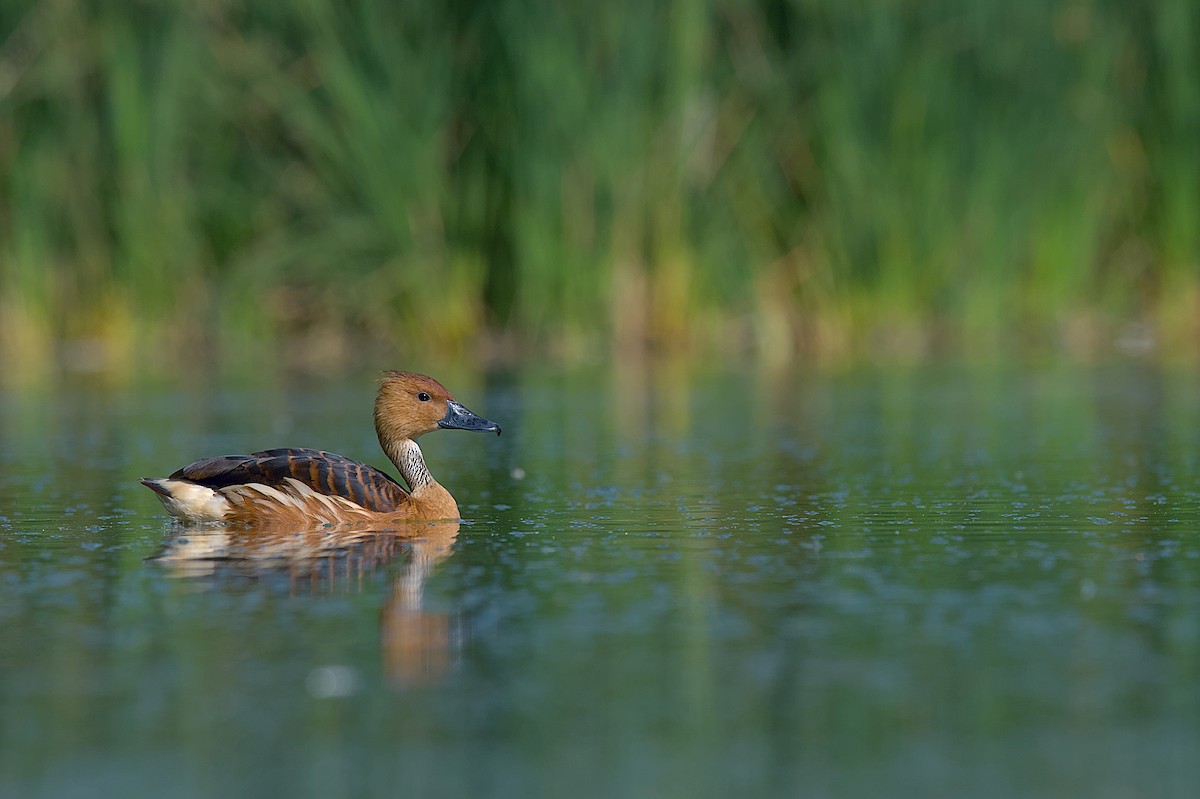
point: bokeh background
(319, 181)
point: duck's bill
(459, 418)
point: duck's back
(324, 472)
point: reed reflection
(415, 644)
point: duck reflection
(416, 644)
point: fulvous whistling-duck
(306, 486)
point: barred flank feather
(324, 473)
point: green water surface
(937, 581)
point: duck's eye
(423, 397)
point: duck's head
(410, 405)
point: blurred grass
(717, 178)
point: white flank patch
(292, 496)
(261, 495)
(334, 503)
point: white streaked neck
(411, 463)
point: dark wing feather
(323, 472)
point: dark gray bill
(459, 418)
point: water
(941, 581)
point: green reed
(719, 176)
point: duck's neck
(408, 459)
(428, 499)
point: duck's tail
(189, 501)
(157, 485)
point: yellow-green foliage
(575, 175)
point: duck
(299, 487)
